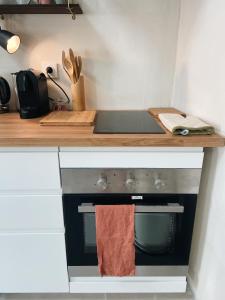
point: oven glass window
(154, 232)
(89, 233)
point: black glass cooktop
(126, 122)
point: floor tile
(130, 297)
(187, 296)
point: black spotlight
(9, 41)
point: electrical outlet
(52, 65)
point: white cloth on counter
(188, 125)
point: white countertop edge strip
(29, 149)
(102, 149)
(130, 149)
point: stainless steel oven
(165, 202)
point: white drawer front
(29, 212)
(29, 172)
(103, 159)
(33, 263)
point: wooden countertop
(15, 132)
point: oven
(165, 202)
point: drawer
(30, 213)
(33, 263)
(29, 173)
(131, 159)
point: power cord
(70, 10)
(49, 71)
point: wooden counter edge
(92, 141)
(28, 133)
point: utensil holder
(78, 96)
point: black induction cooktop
(126, 122)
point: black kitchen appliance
(32, 94)
(164, 216)
(126, 122)
(5, 95)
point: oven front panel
(163, 227)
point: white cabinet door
(29, 173)
(33, 263)
(31, 213)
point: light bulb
(13, 44)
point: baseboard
(139, 285)
(191, 286)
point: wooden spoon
(73, 61)
(70, 69)
(79, 64)
(63, 63)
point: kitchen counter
(34, 177)
(15, 132)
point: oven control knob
(131, 183)
(102, 183)
(159, 183)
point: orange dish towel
(115, 239)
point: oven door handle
(170, 208)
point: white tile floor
(96, 297)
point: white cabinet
(29, 173)
(33, 263)
(31, 213)
(32, 240)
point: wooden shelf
(39, 9)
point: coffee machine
(32, 93)
(5, 95)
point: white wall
(200, 89)
(129, 51)
(128, 47)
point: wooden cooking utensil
(73, 61)
(63, 63)
(70, 69)
(79, 63)
(73, 66)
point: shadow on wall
(198, 91)
(181, 94)
(202, 214)
(207, 267)
(185, 39)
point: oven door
(163, 227)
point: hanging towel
(189, 125)
(115, 239)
